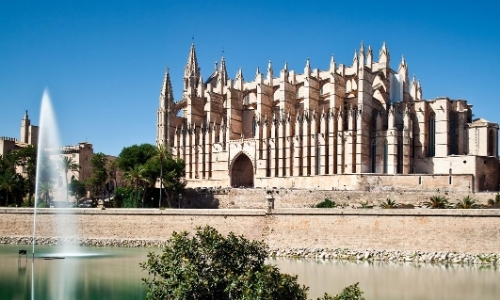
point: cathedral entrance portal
(242, 172)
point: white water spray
(49, 185)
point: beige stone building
(362, 126)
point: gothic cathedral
(359, 127)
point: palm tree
(135, 175)
(67, 164)
(8, 183)
(467, 202)
(437, 201)
(389, 204)
(45, 189)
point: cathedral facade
(359, 127)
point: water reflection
(114, 273)
(381, 280)
(99, 273)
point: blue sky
(103, 61)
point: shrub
(327, 203)
(437, 201)
(389, 204)
(211, 266)
(467, 203)
(43, 205)
(494, 202)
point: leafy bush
(467, 203)
(43, 205)
(494, 202)
(351, 292)
(327, 203)
(211, 266)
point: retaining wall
(464, 231)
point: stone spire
(166, 94)
(270, 73)
(284, 72)
(222, 71)
(403, 68)
(239, 75)
(307, 68)
(369, 57)
(192, 69)
(384, 54)
(332, 64)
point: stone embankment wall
(426, 230)
(298, 198)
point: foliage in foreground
(211, 266)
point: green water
(114, 273)
(97, 273)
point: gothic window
(432, 135)
(345, 120)
(318, 160)
(374, 119)
(254, 127)
(374, 156)
(246, 99)
(491, 143)
(386, 157)
(400, 155)
(321, 90)
(452, 133)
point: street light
(180, 199)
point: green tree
(174, 176)
(26, 158)
(437, 202)
(44, 190)
(8, 183)
(467, 203)
(135, 155)
(161, 154)
(136, 176)
(77, 189)
(68, 164)
(96, 182)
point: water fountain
(48, 175)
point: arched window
(491, 143)
(374, 156)
(431, 138)
(386, 156)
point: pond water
(114, 273)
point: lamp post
(180, 199)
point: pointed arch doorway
(242, 172)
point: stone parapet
(426, 230)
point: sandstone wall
(295, 198)
(472, 231)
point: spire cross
(222, 51)
(192, 38)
